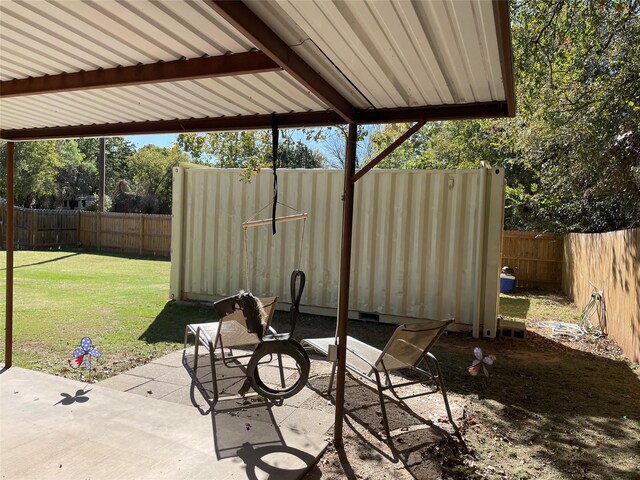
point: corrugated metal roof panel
(396, 53)
(61, 36)
(376, 54)
(301, 43)
(262, 93)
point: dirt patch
(549, 409)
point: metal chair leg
(383, 408)
(333, 373)
(443, 390)
(214, 377)
(195, 353)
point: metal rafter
(251, 26)
(187, 69)
(433, 113)
(387, 151)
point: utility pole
(101, 175)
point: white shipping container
(426, 244)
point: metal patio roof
(92, 68)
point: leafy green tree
(150, 169)
(578, 74)
(298, 155)
(117, 153)
(572, 154)
(35, 172)
(249, 150)
(76, 175)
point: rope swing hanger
(255, 222)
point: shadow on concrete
(79, 397)
(244, 427)
(255, 458)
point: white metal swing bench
(237, 329)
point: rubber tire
(285, 347)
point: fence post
(141, 232)
(34, 229)
(98, 230)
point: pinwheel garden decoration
(84, 353)
(480, 362)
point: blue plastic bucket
(507, 283)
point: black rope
(274, 154)
(298, 279)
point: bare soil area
(549, 409)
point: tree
(249, 150)
(35, 171)
(117, 153)
(150, 171)
(295, 154)
(578, 74)
(333, 141)
(572, 154)
(76, 175)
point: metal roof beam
(188, 69)
(251, 26)
(433, 113)
(245, 122)
(256, 122)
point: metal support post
(8, 346)
(345, 271)
(101, 175)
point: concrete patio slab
(52, 427)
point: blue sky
(165, 140)
(159, 140)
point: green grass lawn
(120, 302)
(536, 304)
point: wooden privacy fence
(126, 232)
(611, 261)
(536, 257)
(41, 228)
(109, 232)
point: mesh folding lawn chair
(233, 330)
(408, 348)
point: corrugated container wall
(426, 243)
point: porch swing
(244, 320)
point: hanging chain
(274, 143)
(246, 259)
